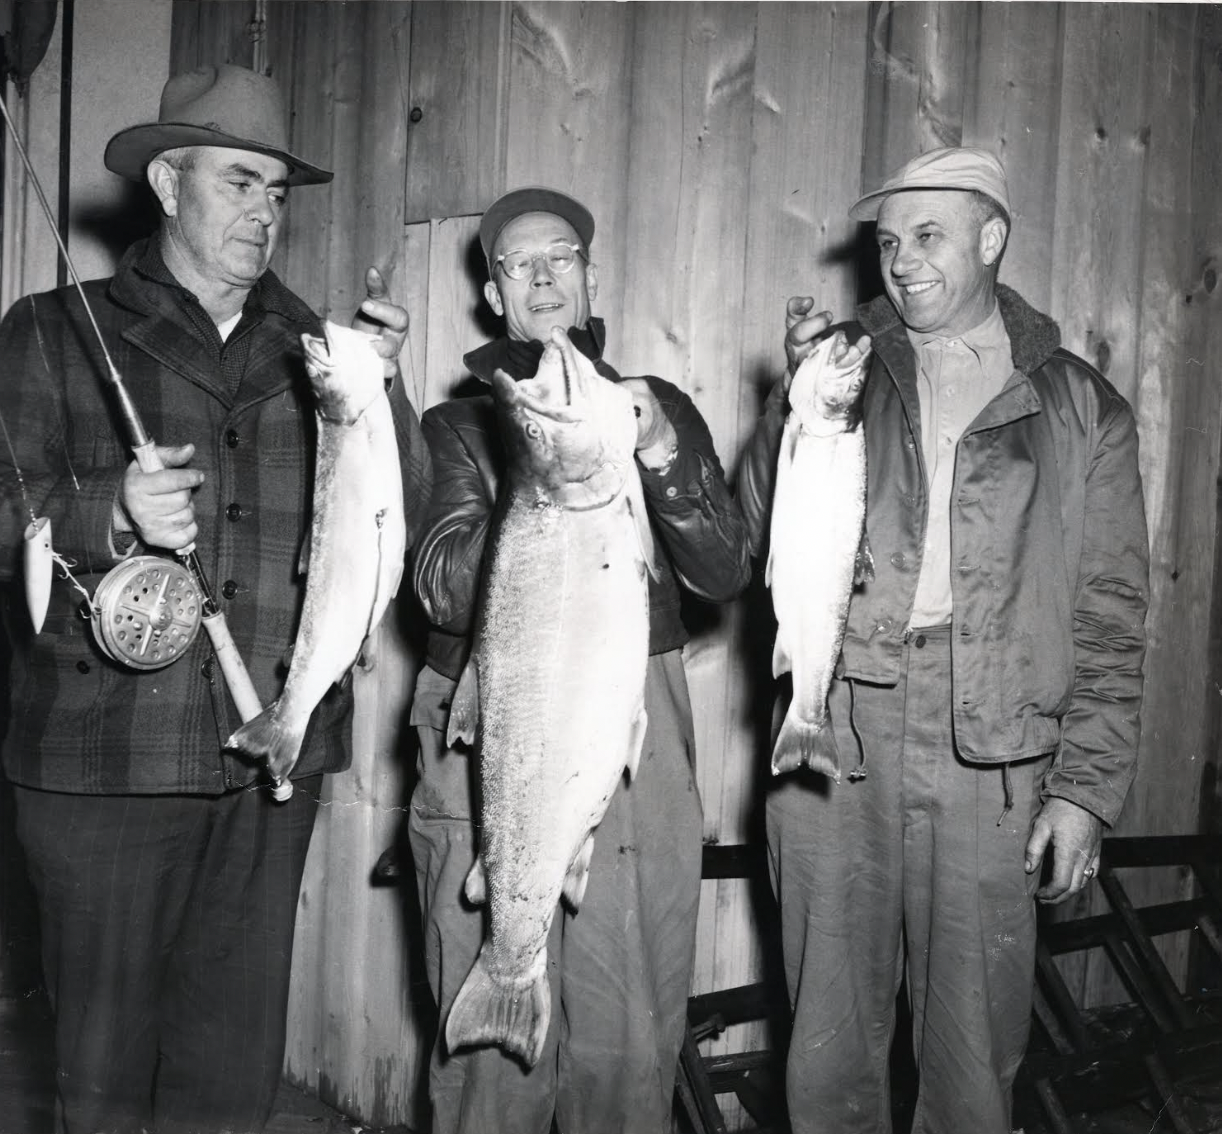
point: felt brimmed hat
(213, 106)
(534, 199)
(953, 167)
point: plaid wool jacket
(78, 721)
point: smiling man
(167, 878)
(621, 968)
(988, 692)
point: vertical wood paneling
(570, 91)
(207, 33)
(1014, 111)
(1096, 251)
(719, 146)
(456, 150)
(922, 64)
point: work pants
(921, 860)
(619, 969)
(167, 934)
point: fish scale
(816, 547)
(553, 696)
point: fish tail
(514, 1015)
(806, 742)
(265, 738)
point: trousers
(916, 867)
(167, 935)
(620, 968)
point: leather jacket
(1049, 554)
(696, 522)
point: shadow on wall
(116, 223)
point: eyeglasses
(518, 264)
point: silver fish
(357, 539)
(553, 695)
(816, 539)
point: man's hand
(656, 440)
(802, 332)
(1076, 836)
(157, 506)
(377, 315)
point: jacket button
(229, 588)
(898, 560)
(206, 668)
(919, 641)
(82, 667)
(234, 511)
(232, 439)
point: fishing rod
(144, 612)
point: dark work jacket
(1049, 553)
(696, 522)
(80, 722)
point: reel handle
(233, 669)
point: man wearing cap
(987, 700)
(166, 875)
(620, 969)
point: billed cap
(953, 167)
(534, 199)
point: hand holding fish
(377, 315)
(803, 332)
(157, 506)
(656, 440)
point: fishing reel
(146, 612)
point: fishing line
(153, 602)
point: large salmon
(816, 545)
(553, 695)
(357, 538)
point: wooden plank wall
(718, 146)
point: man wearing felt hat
(620, 970)
(166, 875)
(987, 696)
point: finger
(171, 481)
(174, 538)
(375, 285)
(803, 331)
(1037, 844)
(1066, 877)
(797, 308)
(174, 456)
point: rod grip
(241, 688)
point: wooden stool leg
(695, 1090)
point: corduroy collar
(1033, 335)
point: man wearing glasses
(622, 970)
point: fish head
(570, 432)
(825, 387)
(345, 370)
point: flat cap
(534, 199)
(953, 167)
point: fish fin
(476, 886)
(640, 520)
(863, 565)
(39, 565)
(464, 712)
(265, 738)
(802, 742)
(636, 741)
(514, 1015)
(781, 661)
(579, 874)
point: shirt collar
(988, 335)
